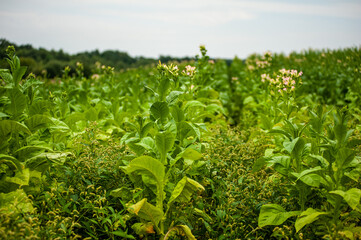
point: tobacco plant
(322, 178)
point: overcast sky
(158, 27)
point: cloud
(229, 10)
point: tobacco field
(262, 148)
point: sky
(151, 28)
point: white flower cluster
(285, 81)
(189, 71)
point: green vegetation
(265, 148)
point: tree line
(51, 63)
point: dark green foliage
(149, 153)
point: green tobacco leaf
(73, 118)
(10, 126)
(344, 157)
(259, 163)
(145, 130)
(273, 214)
(173, 97)
(323, 162)
(282, 164)
(147, 211)
(3, 115)
(160, 111)
(191, 154)
(164, 142)
(11, 162)
(6, 76)
(163, 88)
(309, 176)
(354, 174)
(122, 234)
(91, 114)
(185, 130)
(17, 102)
(177, 113)
(149, 167)
(295, 146)
(184, 189)
(313, 180)
(122, 193)
(21, 177)
(15, 201)
(215, 108)
(192, 104)
(41, 161)
(279, 130)
(352, 197)
(182, 230)
(39, 107)
(59, 127)
(307, 217)
(37, 121)
(18, 74)
(29, 151)
(147, 143)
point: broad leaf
(323, 162)
(177, 113)
(10, 126)
(164, 142)
(282, 164)
(6, 76)
(17, 102)
(41, 161)
(11, 162)
(147, 143)
(192, 104)
(344, 157)
(191, 154)
(143, 228)
(173, 97)
(147, 211)
(21, 177)
(91, 114)
(309, 176)
(160, 111)
(184, 189)
(273, 214)
(122, 234)
(150, 169)
(15, 201)
(259, 163)
(146, 128)
(295, 146)
(352, 197)
(307, 217)
(182, 230)
(185, 130)
(18, 73)
(39, 107)
(3, 115)
(37, 121)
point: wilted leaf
(147, 211)
(183, 230)
(184, 189)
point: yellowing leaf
(184, 189)
(147, 211)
